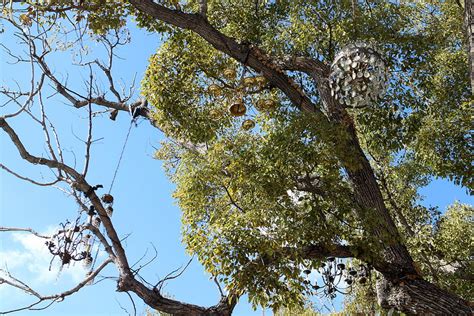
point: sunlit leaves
(444, 252)
(177, 86)
(241, 206)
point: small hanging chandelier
(358, 75)
(237, 107)
(248, 124)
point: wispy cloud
(26, 257)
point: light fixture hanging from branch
(358, 75)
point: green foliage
(237, 208)
(297, 311)
(363, 301)
(453, 246)
(177, 85)
(100, 15)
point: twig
(172, 275)
(53, 298)
(26, 178)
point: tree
(316, 179)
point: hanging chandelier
(358, 75)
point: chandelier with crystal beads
(358, 75)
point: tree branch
(17, 229)
(2, 166)
(322, 251)
(126, 281)
(37, 160)
(203, 8)
(248, 55)
(14, 282)
(469, 25)
(316, 252)
(305, 64)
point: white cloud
(28, 259)
(37, 259)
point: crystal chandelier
(358, 75)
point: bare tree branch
(29, 230)
(26, 178)
(15, 282)
(37, 160)
(89, 129)
(126, 280)
(172, 275)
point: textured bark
(420, 297)
(401, 287)
(154, 299)
(367, 191)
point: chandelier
(358, 75)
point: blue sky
(143, 208)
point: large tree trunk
(372, 209)
(400, 287)
(420, 297)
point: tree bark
(154, 299)
(400, 287)
(421, 298)
(368, 194)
